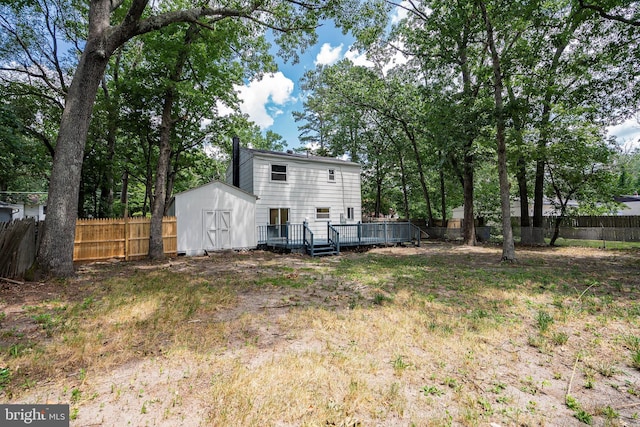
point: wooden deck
(299, 236)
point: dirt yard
(436, 335)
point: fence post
(286, 232)
(359, 232)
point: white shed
(215, 216)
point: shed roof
(223, 185)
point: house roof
(8, 205)
(627, 199)
(227, 187)
(300, 156)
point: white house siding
(9, 212)
(220, 203)
(307, 187)
(34, 211)
(22, 211)
(630, 208)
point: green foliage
(399, 364)
(544, 320)
(627, 167)
(635, 358)
(5, 378)
(432, 391)
(560, 338)
(610, 413)
(579, 413)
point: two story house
(298, 188)
(270, 190)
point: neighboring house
(548, 209)
(36, 211)
(632, 205)
(8, 211)
(11, 211)
(214, 216)
(296, 188)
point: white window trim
(286, 173)
(353, 214)
(323, 213)
(329, 175)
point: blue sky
(271, 101)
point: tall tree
(508, 247)
(445, 41)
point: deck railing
(287, 235)
(307, 238)
(378, 233)
(333, 236)
(339, 235)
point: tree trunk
(508, 247)
(443, 195)
(124, 192)
(148, 182)
(525, 221)
(378, 207)
(521, 172)
(538, 192)
(56, 250)
(107, 181)
(156, 247)
(423, 181)
(468, 224)
(556, 230)
(403, 178)
(171, 180)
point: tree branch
(606, 15)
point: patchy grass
(600, 244)
(393, 336)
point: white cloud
(398, 58)
(223, 109)
(358, 59)
(328, 55)
(271, 89)
(361, 59)
(400, 12)
(627, 133)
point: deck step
(323, 250)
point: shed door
(224, 229)
(217, 230)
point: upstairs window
(278, 172)
(322, 213)
(331, 175)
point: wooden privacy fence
(17, 247)
(126, 238)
